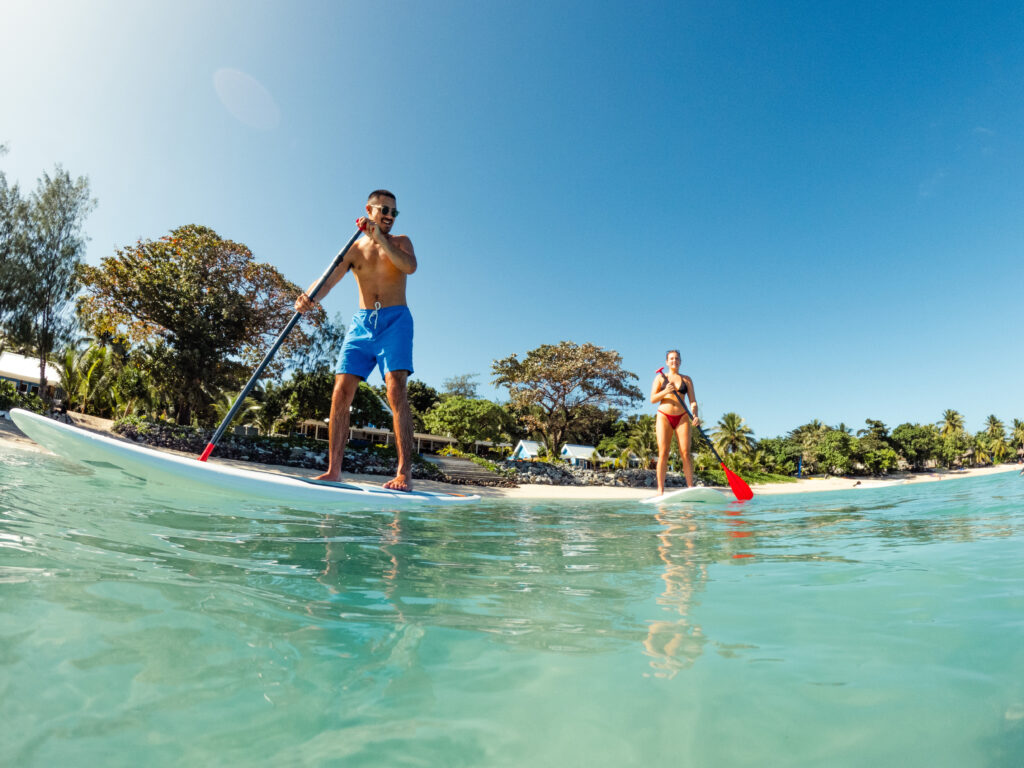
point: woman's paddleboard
(688, 496)
(182, 475)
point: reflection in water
(674, 644)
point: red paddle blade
(738, 484)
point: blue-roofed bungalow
(526, 450)
(580, 455)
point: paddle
(738, 484)
(273, 350)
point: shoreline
(10, 435)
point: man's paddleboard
(689, 495)
(182, 475)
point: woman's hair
(671, 351)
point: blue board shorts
(378, 338)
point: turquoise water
(872, 627)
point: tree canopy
(202, 304)
(553, 386)
(467, 420)
(41, 246)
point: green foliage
(8, 395)
(449, 450)
(1017, 436)
(463, 386)
(555, 388)
(41, 246)
(954, 447)
(881, 460)
(917, 443)
(31, 402)
(310, 393)
(952, 422)
(835, 452)
(732, 435)
(10, 398)
(201, 304)
(467, 420)
(368, 408)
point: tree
(952, 422)
(954, 447)
(916, 443)
(732, 435)
(205, 308)
(467, 420)
(778, 455)
(460, 386)
(44, 250)
(1017, 436)
(995, 434)
(807, 438)
(13, 220)
(643, 441)
(835, 452)
(321, 352)
(552, 386)
(368, 408)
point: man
(380, 334)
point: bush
(8, 395)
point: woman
(668, 391)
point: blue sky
(820, 203)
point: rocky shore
(294, 451)
(543, 473)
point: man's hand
(303, 303)
(372, 231)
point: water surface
(843, 629)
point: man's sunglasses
(386, 211)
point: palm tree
(981, 449)
(994, 428)
(1017, 435)
(732, 435)
(643, 441)
(952, 422)
(226, 399)
(996, 434)
(86, 377)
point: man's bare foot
(331, 477)
(400, 483)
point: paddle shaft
(273, 350)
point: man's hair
(381, 193)
(671, 351)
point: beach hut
(580, 455)
(24, 372)
(525, 450)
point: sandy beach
(11, 436)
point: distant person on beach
(380, 334)
(672, 419)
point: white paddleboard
(185, 475)
(688, 496)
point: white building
(24, 372)
(580, 455)
(526, 449)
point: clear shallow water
(874, 627)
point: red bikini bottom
(673, 418)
